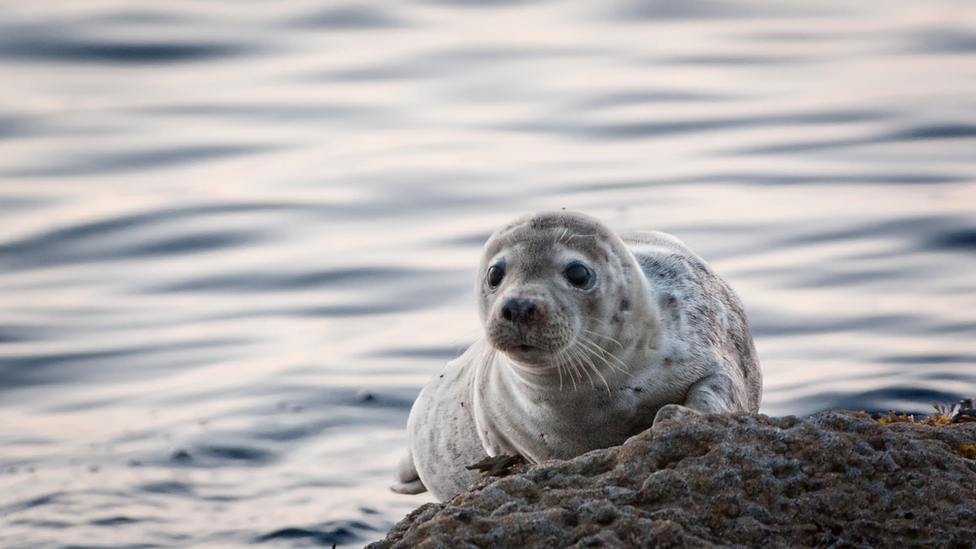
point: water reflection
(237, 238)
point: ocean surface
(237, 237)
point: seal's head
(558, 288)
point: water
(238, 237)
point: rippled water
(238, 237)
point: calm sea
(237, 237)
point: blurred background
(237, 237)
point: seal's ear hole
(579, 275)
(495, 274)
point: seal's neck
(530, 375)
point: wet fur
(659, 328)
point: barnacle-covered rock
(839, 479)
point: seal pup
(589, 339)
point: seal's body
(588, 335)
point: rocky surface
(836, 479)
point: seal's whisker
(533, 369)
(557, 357)
(596, 371)
(560, 375)
(584, 362)
(586, 356)
(590, 365)
(613, 366)
(595, 348)
(477, 333)
(591, 332)
(492, 354)
(562, 235)
(603, 354)
(509, 239)
(573, 363)
(584, 366)
(460, 341)
(565, 361)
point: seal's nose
(521, 311)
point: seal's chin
(529, 355)
(528, 348)
(521, 351)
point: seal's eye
(578, 275)
(495, 274)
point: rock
(835, 479)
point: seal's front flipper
(709, 395)
(407, 479)
(674, 412)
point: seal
(589, 338)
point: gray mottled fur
(658, 328)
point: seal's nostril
(520, 310)
(512, 310)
